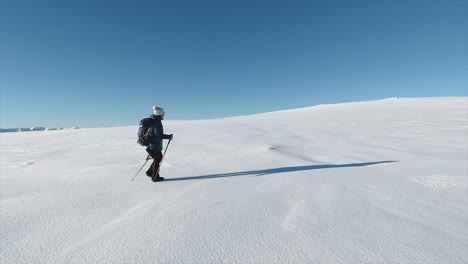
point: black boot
(157, 178)
(149, 173)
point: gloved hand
(172, 136)
(148, 150)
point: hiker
(156, 136)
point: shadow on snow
(277, 170)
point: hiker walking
(155, 146)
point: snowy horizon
(31, 129)
(366, 182)
(45, 128)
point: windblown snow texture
(372, 182)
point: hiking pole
(164, 154)
(147, 158)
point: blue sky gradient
(106, 63)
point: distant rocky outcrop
(5, 130)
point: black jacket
(156, 132)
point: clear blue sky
(106, 63)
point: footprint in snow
(442, 181)
(27, 164)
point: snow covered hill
(370, 182)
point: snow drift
(371, 182)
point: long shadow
(277, 170)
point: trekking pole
(164, 154)
(147, 158)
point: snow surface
(370, 182)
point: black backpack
(143, 135)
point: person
(156, 133)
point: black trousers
(157, 157)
